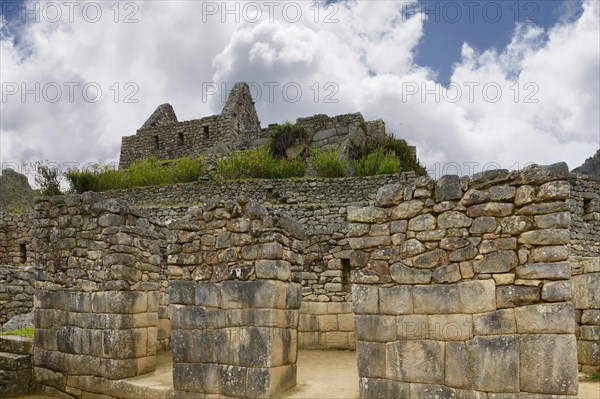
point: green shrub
(259, 163)
(329, 163)
(387, 143)
(286, 136)
(379, 162)
(142, 172)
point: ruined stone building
(462, 287)
(236, 128)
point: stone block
(395, 300)
(495, 363)
(448, 188)
(273, 269)
(410, 327)
(547, 271)
(477, 296)
(407, 210)
(389, 194)
(458, 366)
(377, 388)
(432, 259)
(232, 381)
(453, 219)
(586, 294)
(558, 220)
(207, 294)
(483, 224)
(496, 209)
(588, 352)
(416, 361)
(407, 275)
(182, 292)
(468, 394)
(127, 302)
(450, 327)
(545, 237)
(436, 299)
(367, 214)
(516, 224)
(196, 377)
(551, 318)
(369, 242)
(549, 254)
(270, 250)
(250, 294)
(365, 299)
(497, 262)
(447, 274)
(509, 296)
(555, 190)
(462, 254)
(591, 316)
(502, 193)
(428, 391)
(371, 359)
(557, 291)
(422, 223)
(499, 322)
(590, 333)
(375, 328)
(548, 364)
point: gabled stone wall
(234, 305)
(461, 287)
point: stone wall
(309, 191)
(97, 294)
(234, 305)
(461, 287)
(16, 238)
(16, 291)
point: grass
(595, 377)
(27, 332)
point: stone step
(16, 344)
(12, 361)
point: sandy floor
(321, 375)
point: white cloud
(368, 54)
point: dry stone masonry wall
(234, 305)
(16, 291)
(461, 287)
(16, 238)
(97, 294)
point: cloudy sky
(475, 85)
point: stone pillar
(234, 308)
(461, 287)
(96, 296)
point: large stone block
(450, 327)
(586, 294)
(181, 292)
(436, 299)
(395, 300)
(370, 357)
(588, 352)
(196, 377)
(509, 296)
(551, 318)
(251, 294)
(375, 328)
(495, 363)
(548, 364)
(547, 271)
(497, 262)
(458, 365)
(555, 253)
(428, 391)
(273, 269)
(367, 214)
(416, 361)
(389, 194)
(448, 188)
(545, 237)
(365, 299)
(369, 242)
(407, 210)
(557, 291)
(432, 259)
(477, 296)
(377, 388)
(412, 327)
(407, 275)
(499, 322)
(422, 223)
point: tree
(47, 179)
